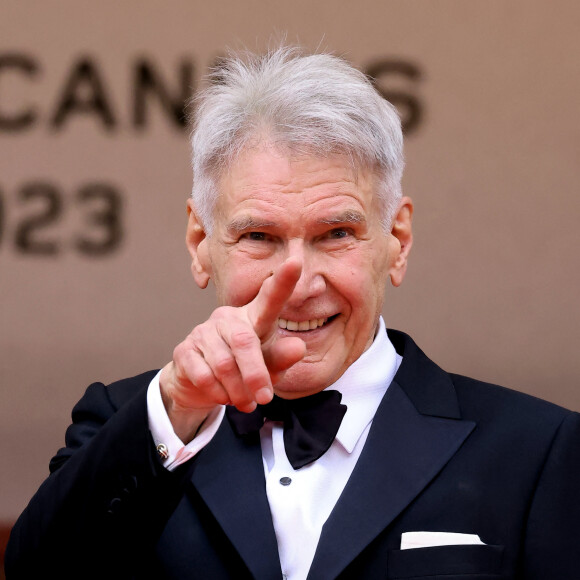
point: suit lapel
(229, 476)
(414, 434)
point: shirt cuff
(163, 433)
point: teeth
(301, 326)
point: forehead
(267, 179)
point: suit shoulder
(103, 400)
(480, 400)
(96, 407)
(119, 392)
(100, 399)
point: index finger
(265, 308)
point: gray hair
(317, 104)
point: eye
(255, 236)
(338, 233)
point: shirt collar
(363, 386)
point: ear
(403, 237)
(196, 241)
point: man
(370, 461)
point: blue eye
(256, 236)
(338, 233)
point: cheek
(236, 280)
(364, 281)
(364, 290)
(238, 284)
(380, 266)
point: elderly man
(291, 436)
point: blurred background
(94, 177)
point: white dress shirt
(300, 500)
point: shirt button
(285, 481)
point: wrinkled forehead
(294, 186)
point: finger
(264, 310)
(194, 383)
(201, 386)
(185, 413)
(234, 355)
(284, 353)
(247, 350)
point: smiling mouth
(304, 325)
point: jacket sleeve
(553, 527)
(107, 498)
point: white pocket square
(411, 540)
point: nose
(312, 282)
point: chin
(301, 381)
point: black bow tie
(310, 423)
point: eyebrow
(349, 216)
(245, 223)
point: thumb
(284, 353)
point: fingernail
(263, 395)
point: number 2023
(43, 206)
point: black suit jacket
(444, 453)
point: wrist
(186, 421)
